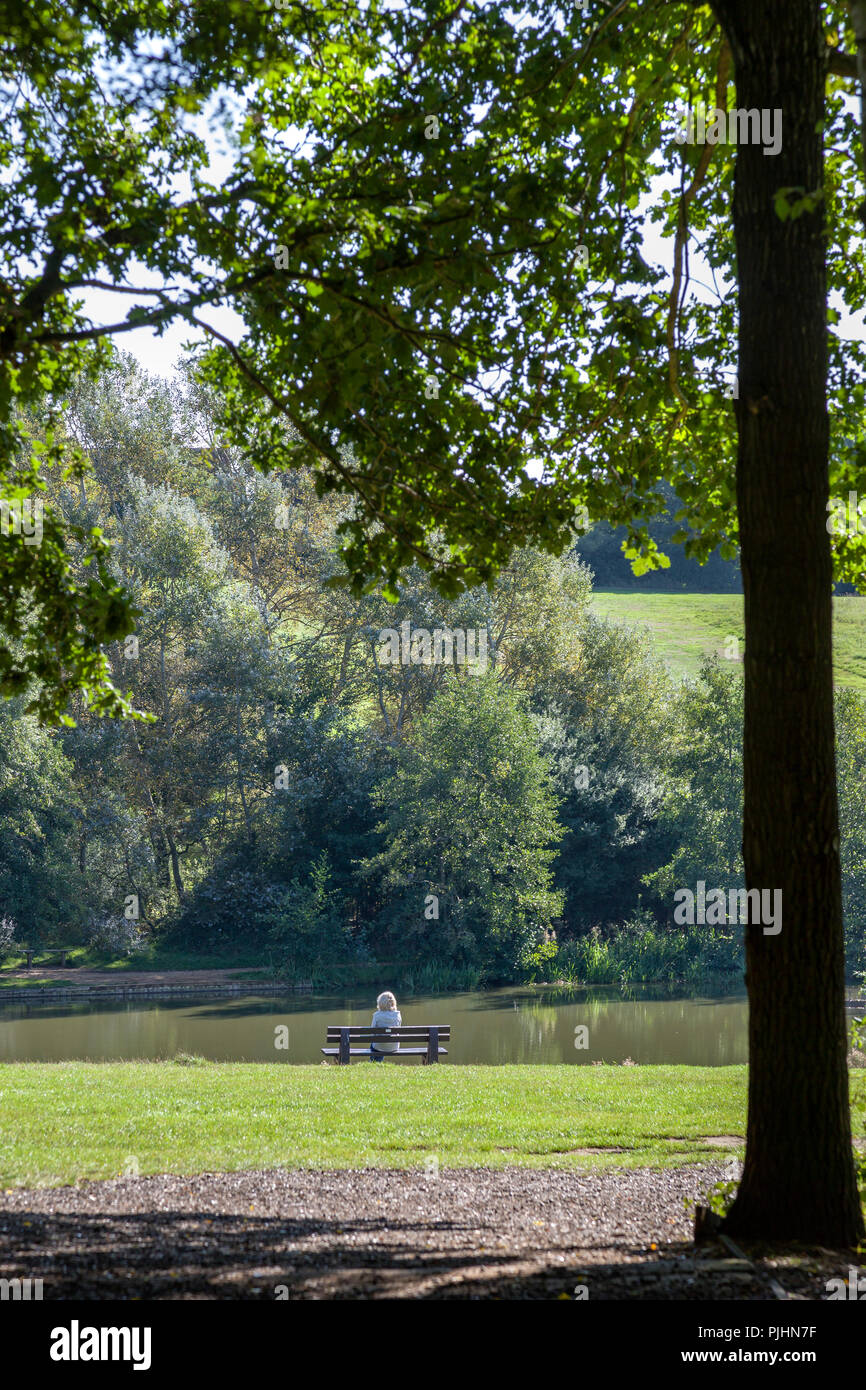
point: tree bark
(175, 867)
(798, 1181)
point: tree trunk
(240, 770)
(175, 867)
(798, 1181)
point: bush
(641, 951)
(469, 834)
(116, 936)
(306, 926)
(7, 932)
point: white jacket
(386, 1018)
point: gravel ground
(461, 1233)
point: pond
(525, 1024)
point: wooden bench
(341, 1040)
(31, 951)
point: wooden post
(345, 1054)
(432, 1046)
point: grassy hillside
(685, 627)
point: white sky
(159, 354)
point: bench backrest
(408, 1033)
(431, 1034)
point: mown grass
(154, 957)
(410, 977)
(687, 627)
(39, 983)
(68, 1121)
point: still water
(526, 1024)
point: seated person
(387, 1015)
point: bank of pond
(520, 1025)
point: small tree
(39, 890)
(7, 934)
(308, 930)
(470, 831)
(705, 802)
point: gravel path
(461, 1233)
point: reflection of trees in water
(487, 1028)
(538, 1025)
(680, 1030)
(650, 1031)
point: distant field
(688, 626)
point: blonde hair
(386, 1001)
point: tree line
(455, 298)
(289, 791)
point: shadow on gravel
(183, 1255)
(191, 1254)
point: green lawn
(38, 983)
(686, 627)
(67, 1121)
(154, 957)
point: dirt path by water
(460, 1233)
(80, 976)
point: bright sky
(159, 354)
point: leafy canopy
(433, 230)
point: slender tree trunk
(798, 1181)
(175, 867)
(166, 702)
(348, 643)
(240, 770)
(153, 823)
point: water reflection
(499, 1026)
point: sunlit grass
(155, 957)
(687, 627)
(67, 1121)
